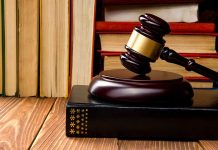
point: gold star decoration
(78, 110)
(77, 121)
(72, 131)
(72, 117)
(72, 124)
(77, 116)
(72, 111)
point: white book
(170, 13)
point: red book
(176, 28)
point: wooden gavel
(146, 44)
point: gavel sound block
(156, 87)
(140, 83)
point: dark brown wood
(189, 64)
(153, 28)
(157, 87)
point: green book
(2, 50)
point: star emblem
(72, 117)
(72, 124)
(72, 111)
(72, 131)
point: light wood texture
(10, 17)
(158, 145)
(209, 145)
(83, 35)
(39, 123)
(53, 132)
(28, 47)
(20, 120)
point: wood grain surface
(20, 120)
(209, 145)
(35, 123)
(159, 145)
(52, 134)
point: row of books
(187, 40)
(98, 41)
(190, 38)
(34, 48)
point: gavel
(146, 44)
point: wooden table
(39, 123)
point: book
(128, 2)
(54, 48)
(175, 27)
(200, 82)
(1, 48)
(28, 53)
(208, 60)
(178, 12)
(10, 47)
(70, 47)
(87, 116)
(83, 41)
(182, 43)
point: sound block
(156, 87)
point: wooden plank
(52, 134)
(168, 145)
(6, 104)
(20, 120)
(211, 145)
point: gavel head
(145, 44)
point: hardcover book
(87, 116)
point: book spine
(70, 46)
(194, 55)
(3, 47)
(128, 2)
(137, 122)
(127, 27)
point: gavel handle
(171, 56)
